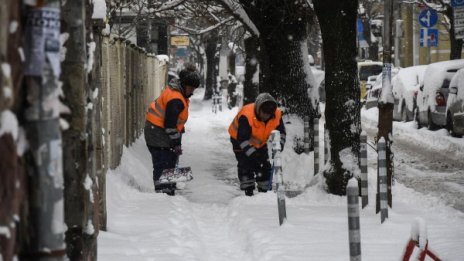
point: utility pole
(42, 70)
(386, 100)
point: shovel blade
(176, 175)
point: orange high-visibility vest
(157, 109)
(260, 131)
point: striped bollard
(364, 183)
(382, 162)
(326, 144)
(279, 178)
(353, 220)
(306, 134)
(316, 146)
(220, 101)
(214, 103)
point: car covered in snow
(365, 69)
(405, 86)
(373, 93)
(433, 94)
(455, 105)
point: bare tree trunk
(342, 109)
(210, 50)
(78, 139)
(456, 44)
(12, 199)
(250, 88)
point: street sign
(428, 37)
(455, 3)
(428, 17)
(459, 22)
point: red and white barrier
(419, 240)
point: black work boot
(249, 192)
(262, 190)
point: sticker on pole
(42, 41)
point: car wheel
(450, 126)
(404, 114)
(430, 124)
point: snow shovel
(176, 174)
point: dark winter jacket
(156, 136)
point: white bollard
(278, 174)
(316, 146)
(363, 167)
(353, 220)
(382, 166)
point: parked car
(365, 69)
(370, 81)
(405, 87)
(455, 105)
(433, 94)
(373, 93)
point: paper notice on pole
(42, 41)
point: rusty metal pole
(386, 100)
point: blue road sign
(456, 3)
(428, 37)
(429, 17)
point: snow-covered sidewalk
(212, 220)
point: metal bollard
(326, 144)
(382, 162)
(306, 134)
(316, 146)
(279, 178)
(353, 220)
(363, 167)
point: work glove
(177, 150)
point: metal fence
(131, 79)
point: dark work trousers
(251, 170)
(162, 158)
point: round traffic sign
(429, 17)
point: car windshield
(369, 70)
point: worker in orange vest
(165, 120)
(249, 132)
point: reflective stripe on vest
(156, 112)
(260, 131)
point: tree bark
(210, 51)
(342, 111)
(282, 27)
(456, 44)
(77, 140)
(250, 88)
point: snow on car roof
(437, 72)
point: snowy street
(211, 219)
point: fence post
(279, 178)
(382, 165)
(363, 167)
(306, 134)
(316, 146)
(353, 220)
